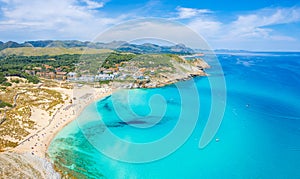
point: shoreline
(74, 118)
(37, 144)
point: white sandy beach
(49, 125)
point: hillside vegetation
(50, 51)
(15, 121)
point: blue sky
(249, 24)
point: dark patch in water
(133, 122)
(114, 125)
(106, 98)
(138, 121)
(122, 123)
(75, 162)
(173, 101)
(107, 107)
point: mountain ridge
(122, 46)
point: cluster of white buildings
(106, 75)
(72, 76)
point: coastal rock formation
(152, 71)
(201, 64)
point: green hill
(38, 51)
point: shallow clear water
(259, 136)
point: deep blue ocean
(259, 136)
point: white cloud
(39, 11)
(206, 27)
(267, 17)
(259, 24)
(93, 4)
(253, 27)
(75, 19)
(184, 13)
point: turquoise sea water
(259, 136)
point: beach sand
(49, 125)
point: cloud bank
(53, 19)
(262, 29)
(257, 26)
